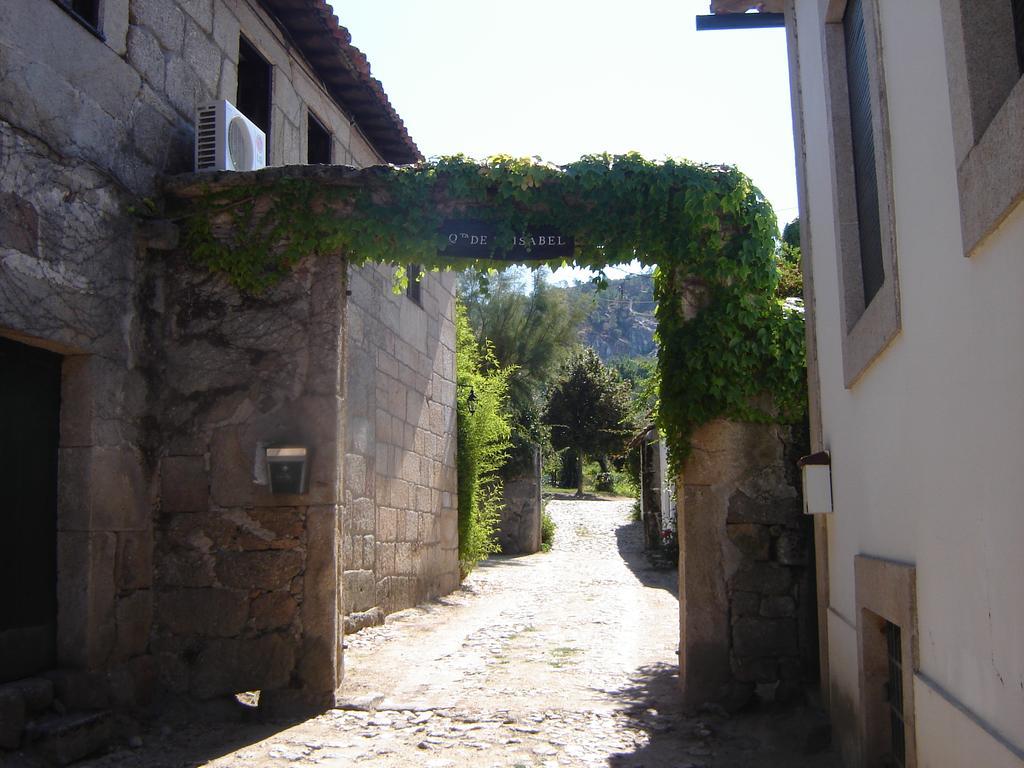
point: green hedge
(484, 439)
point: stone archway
(283, 238)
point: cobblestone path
(559, 659)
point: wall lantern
(817, 478)
(288, 467)
(471, 400)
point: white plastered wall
(928, 446)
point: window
(862, 139)
(414, 289)
(887, 630)
(254, 84)
(318, 142)
(86, 12)
(894, 695)
(865, 225)
(1018, 31)
(984, 59)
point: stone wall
(67, 268)
(247, 581)
(650, 493)
(169, 377)
(520, 528)
(657, 505)
(125, 104)
(747, 607)
(401, 519)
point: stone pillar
(520, 529)
(745, 588)
(248, 581)
(703, 603)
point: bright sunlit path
(562, 79)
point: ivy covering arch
(725, 341)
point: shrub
(604, 482)
(483, 443)
(547, 531)
(615, 482)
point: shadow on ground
(650, 571)
(766, 735)
(187, 736)
(493, 561)
(565, 496)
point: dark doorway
(29, 436)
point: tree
(530, 328)
(533, 327)
(640, 375)
(791, 233)
(787, 262)
(588, 409)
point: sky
(558, 79)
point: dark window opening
(1018, 30)
(86, 12)
(318, 142)
(414, 289)
(894, 691)
(254, 73)
(863, 140)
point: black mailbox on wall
(288, 467)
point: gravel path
(559, 659)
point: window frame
(414, 288)
(269, 116)
(867, 327)
(313, 120)
(96, 29)
(886, 592)
(986, 93)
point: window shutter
(863, 140)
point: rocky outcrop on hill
(621, 322)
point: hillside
(621, 322)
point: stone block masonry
(400, 483)
(67, 265)
(175, 567)
(247, 581)
(747, 607)
(519, 532)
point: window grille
(894, 689)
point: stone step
(64, 739)
(37, 692)
(19, 701)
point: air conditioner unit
(226, 140)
